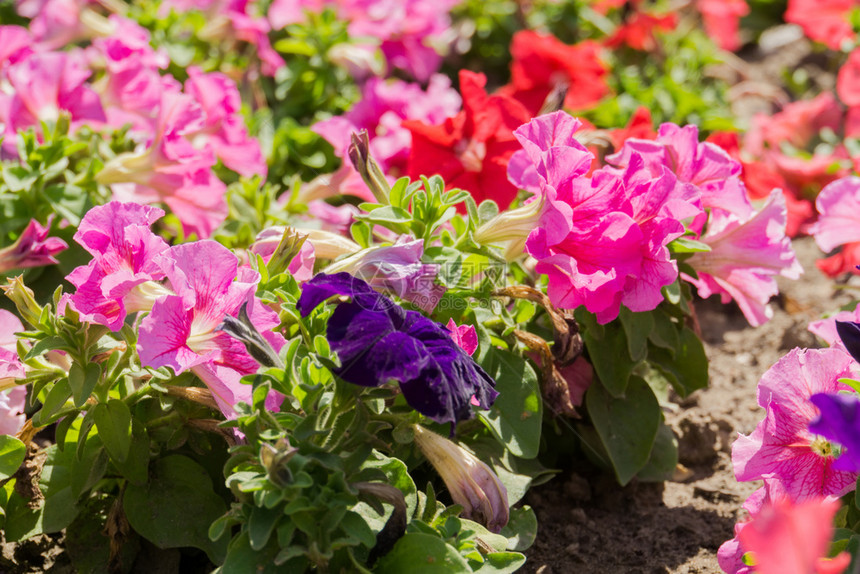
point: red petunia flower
(471, 150)
(638, 31)
(722, 20)
(542, 61)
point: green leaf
(176, 507)
(627, 425)
(687, 368)
(608, 350)
(521, 529)
(501, 563)
(46, 344)
(135, 467)
(113, 421)
(12, 453)
(687, 245)
(637, 327)
(83, 381)
(242, 558)
(664, 457)
(261, 524)
(516, 417)
(419, 553)
(54, 401)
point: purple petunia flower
(839, 422)
(377, 341)
(849, 332)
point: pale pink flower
(745, 257)
(282, 13)
(11, 397)
(123, 276)
(132, 87)
(396, 269)
(33, 248)
(781, 450)
(182, 330)
(797, 124)
(826, 328)
(58, 23)
(838, 207)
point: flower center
(821, 447)
(471, 154)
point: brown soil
(591, 525)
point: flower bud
(24, 300)
(472, 484)
(513, 225)
(281, 245)
(359, 155)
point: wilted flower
(396, 269)
(472, 484)
(33, 248)
(378, 341)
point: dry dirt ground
(588, 524)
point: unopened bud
(472, 484)
(24, 300)
(288, 244)
(243, 330)
(359, 155)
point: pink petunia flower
(44, 85)
(172, 170)
(826, 328)
(182, 330)
(706, 175)
(123, 276)
(33, 248)
(781, 450)
(412, 32)
(58, 23)
(848, 80)
(224, 127)
(838, 223)
(15, 44)
(746, 255)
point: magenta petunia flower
(464, 335)
(182, 330)
(710, 177)
(746, 255)
(224, 127)
(782, 451)
(33, 248)
(123, 276)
